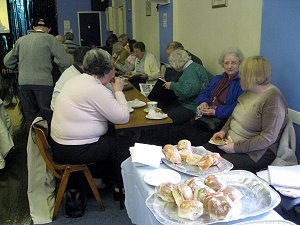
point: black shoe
(117, 195)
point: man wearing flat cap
(32, 55)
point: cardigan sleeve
(152, 67)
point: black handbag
(210, 122)
(74, 203)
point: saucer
(136, 104)
(158, 116)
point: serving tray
(183, 167)
(257, 199)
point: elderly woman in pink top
(82, 113)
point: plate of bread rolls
(222, 197)
(196, 161)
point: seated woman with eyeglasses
(83, 109)
(254, 129)
(218, 99)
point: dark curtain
(46, 9)
(24, 12)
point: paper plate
(158, 176)
(211, 141)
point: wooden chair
(60, 171)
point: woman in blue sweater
(219, 97)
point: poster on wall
(4, 23)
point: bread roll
(172, 153)
(184, 154)
(164, 191)
(216, 158)
(190, 209)
(215, 182)
(205, 162)
(233, 193)
(193, 159)
(201, 193)
(194, 183)
(169, 148)
(219, 207)
(184, 144)
(182, 192)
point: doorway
(89, 29)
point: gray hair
(178, 59)
(175, 45)
(237, 52)
(97, 62)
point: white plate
(214, 143)
(158, 117)
(136, 104)
(158, 176)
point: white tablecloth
(137, 192)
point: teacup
(152, 105)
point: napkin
(148, 155)
(285, 176)
(286, 191)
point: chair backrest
(45, 150)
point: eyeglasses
(234, 63)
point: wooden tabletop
(137, 117)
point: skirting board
(294, 116)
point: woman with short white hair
(193, 80)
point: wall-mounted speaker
(99, 5)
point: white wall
(206, 31)
(146, 28)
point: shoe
(116, 194)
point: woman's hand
(208, 111)
(167, 85)
(205, 109)
(117, 84)
(203, 105)
(228, 148)
(220, 135)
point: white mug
(152, 105)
